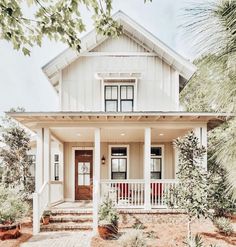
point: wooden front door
(83, 175)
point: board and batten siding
(136, 161)
(157, 89)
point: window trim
(103, 84)
(127, 157)
(116, 100)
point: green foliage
(213, 29)
(220, 198)
(107, 213)
(191, 193)
(15, 160)
(132, 238)
(224, 225)
(57, 20)
(12, 205)
(195, 241)
(47, 213)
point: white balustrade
(161, 190)
(131, 193)
(124, 193)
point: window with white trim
(119, 97)
(56, 167)
(119, 162)
(156, 162)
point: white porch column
(201, 134)
(147, 168)
(47, 159)
(61, 166)
(96, 178)
(39, 161)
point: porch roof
(31, 119)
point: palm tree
(211, 25)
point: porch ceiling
(32, 120)
(117, 135)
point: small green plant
(107, 213)
(224, 225)
(47, 213)
(133, 238)
(195, 241)
(138, 224)
(12, 206)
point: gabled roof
(133, 30)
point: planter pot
(46, 220)
(10, 231)
(108, 231)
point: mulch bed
(173, 235)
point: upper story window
(119, 97)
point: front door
(83, 175)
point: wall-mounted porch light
(103, 160)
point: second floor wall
(139, 80)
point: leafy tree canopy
(57, 20)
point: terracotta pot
(9, 231)
(108, 231)
(46, 220)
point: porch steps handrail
(40, 203)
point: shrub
(12, 205)
(132, 238)
(107, 213)
(224, 225)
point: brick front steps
(69, 219)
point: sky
(22, 82)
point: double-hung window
(119, 160)
(156, 162)
(119, 97)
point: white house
(119, 113)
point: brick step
(71, 218)
(71, 211)
(67, 226)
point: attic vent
(119, 81)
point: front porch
(127, 156)
(134, 166)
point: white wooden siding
(157, 89)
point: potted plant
(46, 217)
(12, 209)
(108, 220)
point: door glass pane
(80, 167)
(86, 179)
(86, 167)
(127, 106)
(111, 105)
(80, 179)
(115, 165)
(122, 165)
(155, 175)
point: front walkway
(60, 239)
